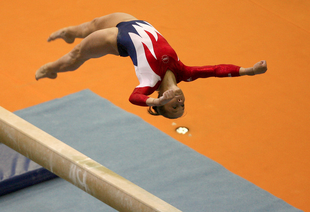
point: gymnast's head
(173, 109)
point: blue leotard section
(124, 41)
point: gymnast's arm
(192, 73)
(139, 97)
(164, 99)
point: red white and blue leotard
(152, 56)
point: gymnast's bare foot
(62, 33)
(43, 72)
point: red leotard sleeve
(194, 72)
(139, 96)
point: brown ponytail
(153, 110)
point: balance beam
(76, 167)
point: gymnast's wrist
(246, 71)
(153, 102)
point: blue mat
(18, 172)
(137, 151)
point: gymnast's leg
(97, 44)
(69, 34)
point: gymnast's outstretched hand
(260, 67)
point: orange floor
(257, 127)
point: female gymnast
(157, 65)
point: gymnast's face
(175, 108)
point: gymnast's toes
(63, 34)
(43, 73)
